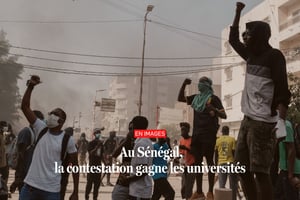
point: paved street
(105, 192)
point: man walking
(109, 147)
(95, 149)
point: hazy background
(107, 27)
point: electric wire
(118, 57)
(69, 22)
(97, 73)
(118, 65)
(189, 31)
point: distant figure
(65, 176)
(207, 110)
(175, 143)
(82, 145)
(109, 147)
(95, 149)
(9, 137)
(4, 170)
(265, 92)
(224, 155)
(176, 161)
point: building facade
(157, 92)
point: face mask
(52, 121)
(6, 133)
(202, 87)
(5, 129)
(98, 135)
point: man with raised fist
(41, 181)
(207, 110)
(265, 92)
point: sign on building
(108, 105)
(170, 115)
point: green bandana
(200, 100)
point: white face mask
(5, 129)
(52, 121)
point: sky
(175, 29)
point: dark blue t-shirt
(160, 161)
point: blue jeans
(31, 193)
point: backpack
(12, 154)
(297, 140)
(32, 139)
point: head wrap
(206, 91)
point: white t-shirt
(142, 188)
(41, 173)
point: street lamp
(95, 105)
(149, 9)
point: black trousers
(163, 188)
(92, 178)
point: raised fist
(34, 80)
(240, 6)
(187, 81)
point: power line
(125, 57)
(128, 57)
(117, 57)
(70, 22)
(174, 26)
(184, 34)
(116, 65)
(189, 31)
(97, 73)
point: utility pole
(157, 115)
(94, 109)
(79, 119)
(149, 9)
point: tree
(9, 74)
(294, 107)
